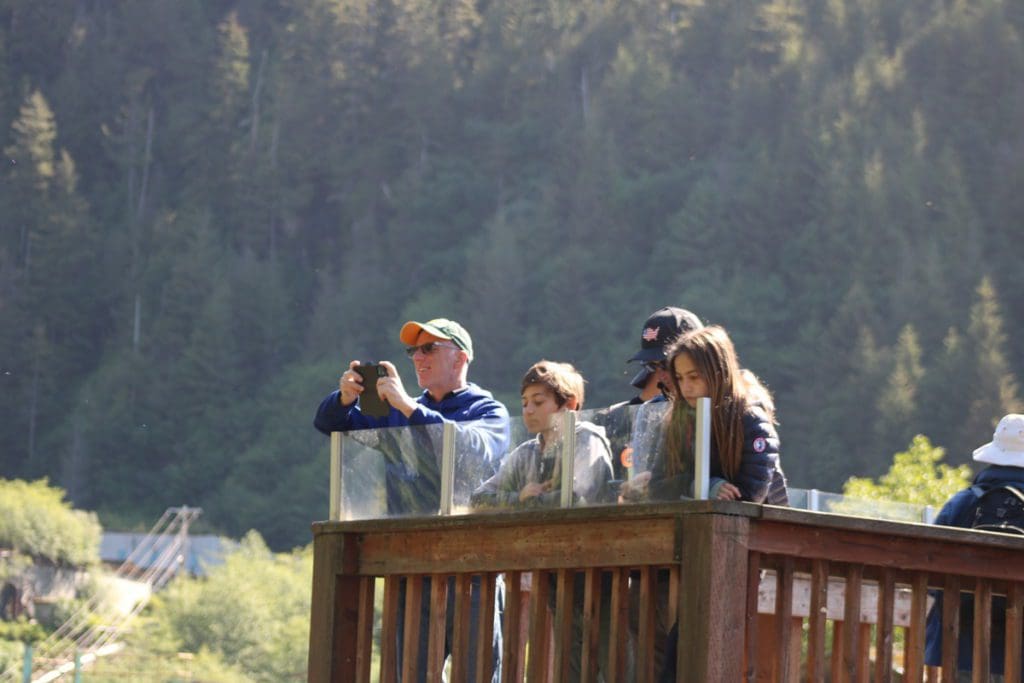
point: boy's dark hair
(562, 379)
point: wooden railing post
(712, 597)
(334, 611)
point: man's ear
(571, 403)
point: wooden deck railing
(720, 558)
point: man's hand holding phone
(350, 384)
(392, 390)
(378, 387)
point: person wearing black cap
(660, 329)
(633, 428)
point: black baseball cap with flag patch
(662, 328)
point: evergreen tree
(994, 388)
(60, 309)
(898, 403)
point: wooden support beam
(713, 570)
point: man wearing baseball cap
(441, 351)
(993, 502)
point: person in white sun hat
(994, 502)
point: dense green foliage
(247, 620)
(209, 208)
(37, 522)
(915, 476)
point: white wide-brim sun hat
(1007, 445)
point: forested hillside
(208, 208)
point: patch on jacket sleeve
(760, 444)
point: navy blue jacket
(412, 474)
(760, 478)
(959, 512)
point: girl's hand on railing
(728, 492)
(635, 489)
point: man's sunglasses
(655, 365)
(428, 348)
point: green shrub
(12, 655)
(35, 520)
(916, 476)
(22, 631)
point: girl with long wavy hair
(744, 444)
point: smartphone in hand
(370, 402)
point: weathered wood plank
(364, 629)
(637, 542)
(645, 626)
(540, 643)
(460, 628)
(1014, 631)
(838, 641)
(977, 556)
(851, 618)
(436, 628)
(510, 645)
(715, 550)
(485, 631)
(885, 627)
(816, 618)
(411, 628)
(389, 630)
(753, 645)
(591, 627)
(864, 654)
(982, 630)
(915, 633)
(334, 610)
(563, 624)
(618, 624)
(950, 626)
(783, 622)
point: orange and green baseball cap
(439, 327)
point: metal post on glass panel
(334, 507)
(813, 500)
(26, 670)
(447, 468)
(702, 449)
(568, 456)
(928, 514)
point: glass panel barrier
(528, 477)
(823, 501)
(391, 472)
(638, 435)
(598, 450)
(537, 472)
(618, 458)
(398, 471)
